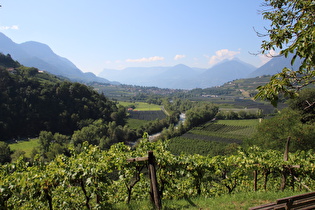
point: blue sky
(114, 34)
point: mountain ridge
(217, 75)
(41, 56)
(275, 65)
(180, 76)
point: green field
(141, 106)
(229, 129)
(214, 138)
(199, 146)
(25, 145)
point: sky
(115, 34)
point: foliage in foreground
(99, 179)
(292, 31)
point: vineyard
(147, 115)
(214, 138)
(232, 131)
(179, 145)
(141, 106)
(96, 179)
(136, 123)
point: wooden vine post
(255, 180)
(154, 185)
(289, 170)
(155, 196)
(285, 168)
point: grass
(141, 106)
(234, 201)
(24, 145)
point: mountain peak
(180, 65)
(37, 48)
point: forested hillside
(32, 101)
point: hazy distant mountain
(181, 76)
(176, 77)
(199, 70)
(275, 65)
(185, 77)
(133, 75)
(225, 71)
(35, 54)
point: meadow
(24, 145)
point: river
(182, 118)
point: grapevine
(96, 178)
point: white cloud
(13, 27)
(264, 58)
(177, 57)
(221, 55)
(150, 59)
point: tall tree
(292, 30)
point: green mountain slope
(32, 101)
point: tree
(303, 104)
(292, 30)
(50, 145)
(273, 133)
(92, 133)
(45, 139)
(5, 153)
